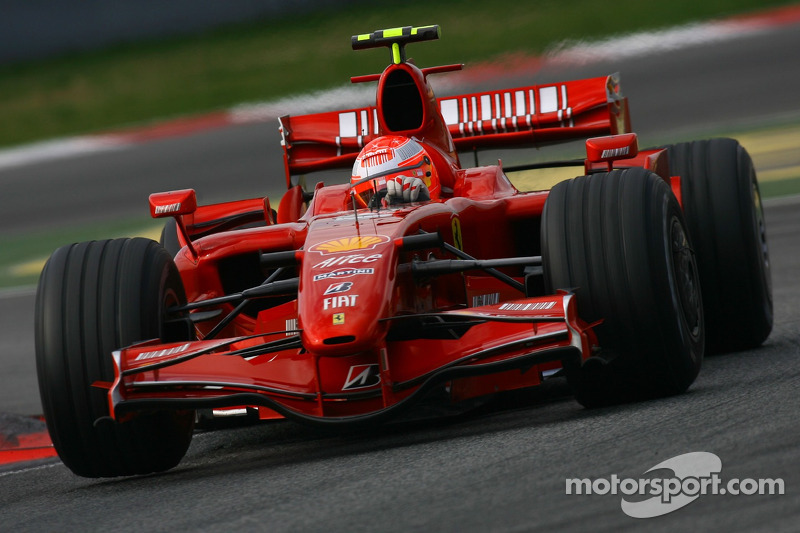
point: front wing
(475, 350)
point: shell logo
(349, 244)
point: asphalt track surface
(503, 468)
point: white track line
(31, 469)
(651, 42)
(56, 149)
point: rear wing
(530, 115)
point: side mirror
(609, 149)
(173, 203)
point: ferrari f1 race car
(419, 280)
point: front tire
(93, 298)
(619, 240)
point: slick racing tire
(619, 241)
(92, 299)
(722, 207)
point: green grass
(134, 84)
(771, 189)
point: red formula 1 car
(419, 280)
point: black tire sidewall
(607, 236)
(94, 298)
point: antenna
(355, 208)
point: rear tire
(619, 240)
(723, 211)
(93, 298)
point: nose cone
(344, 294)
(345, 328)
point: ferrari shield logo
(457, 240)
(338, 319)
(362, 376)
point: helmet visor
(366, 191)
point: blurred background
(71, 68)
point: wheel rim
(761, 228)
(686, 278)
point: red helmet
(389, 157)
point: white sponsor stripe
(364, 122)
(347, 125)
(486, 107)
(449, 110)
(519, 101)
(548, 99)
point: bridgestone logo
(362, 376)
(538, 306)
(615, 152)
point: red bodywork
(354, 327)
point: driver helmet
(390, 157)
